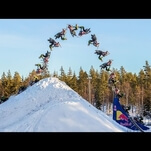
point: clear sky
(23, 40)
(52, 106)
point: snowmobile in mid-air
(101, 54)
(72, 30)
(106, 65)
(61, 35)
(86, 31)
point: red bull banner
(122, 117)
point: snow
(51, 106)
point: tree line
(92, 86)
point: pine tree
(62, 76)
(4, 83)
(83, 84)
(73, 82)
(16, 83)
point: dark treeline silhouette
(92, 86)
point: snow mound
(52, 106)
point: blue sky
(23, 40)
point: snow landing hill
(52, 106)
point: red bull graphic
(122, 117)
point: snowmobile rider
(93, 40)
(53, 43)
(118, 93)
(61, 35)
(101, 54)
(40, 68)
(46, 56)
(72, 30)
(112, 79)
(83, 31)
(106, 65)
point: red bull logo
(121, 116)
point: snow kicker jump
(124, 119)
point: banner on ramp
(123, 118)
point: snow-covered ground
(52, 106)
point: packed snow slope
(52, 106)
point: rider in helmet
(84, 30)
(53, 43)
(93, 40)
(46, 56)
(101, 54)
(118, 93)
(61, 35)
(40, 68)
(112, 79)
(106, 65)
